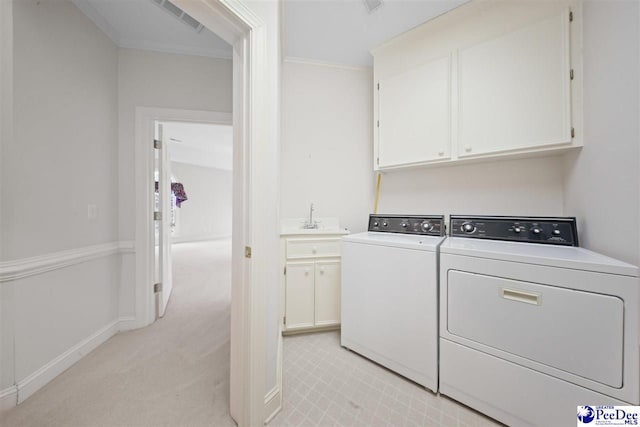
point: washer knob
(426, 226)
(375, 224)
(536, 230)
(556, 232)
(517, 229)
(384, 224)
(404, 225)
(468, 227)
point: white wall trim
(174, 49)
(200, 238)
(273, 399)
(34, 382)
(305, 61)
(25, 267)
(49, 371)
(8, 398)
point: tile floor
(327, 385)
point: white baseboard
(8, 398)
(48, 372)
(273, 399)
(199, 238)
(128, 323)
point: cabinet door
(327, 302)
(514, 90)
(414, 112)
(299, 307)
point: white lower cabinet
(327, 293)
(311, 284)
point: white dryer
(531, 326)
(390, 294)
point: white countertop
(326, 226)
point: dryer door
(575, 331)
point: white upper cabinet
(514, 90)
(487, 80)
(414, 114)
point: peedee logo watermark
(594, 415)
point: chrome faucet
(311, 224)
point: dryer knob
(426, 226)
(404, 225)
(468, 227)
(384, 224)
(375, 224)
(517, 229)
(536, 230)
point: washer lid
(553, 256)
(407, 241)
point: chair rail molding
(25, 267)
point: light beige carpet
(172, 373)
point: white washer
(390, 294)
(532, 327)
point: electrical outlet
(92, 211)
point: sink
(324, 226)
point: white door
(299, 295)
(327, 290)
(162, 187)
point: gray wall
(602, 181)
(208, 211)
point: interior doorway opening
(193, 175)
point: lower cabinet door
(327, 304)
(299, 298)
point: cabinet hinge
(157, 216)
(378, 85)
(571, 74)
(247, 251)
(284, 320)
(378, 161)
(285, 270)
(570, 16)
(157, 144)
(378, 123)
(157, 287)
(573, 133)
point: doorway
(193, 164)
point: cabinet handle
(306, 271)
(521, 296)
(321, 270)
(441, 153)
(467, 148)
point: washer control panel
(548, 230)
(429, 225)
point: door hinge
(571, 74)
(570, 16)
(157, 287)
(247, 251)
(573, 133)
(157, 144)
(157, 216)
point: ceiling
(143, 24)
(200, 144)
(332, 31)
(343, 31)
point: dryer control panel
(547, 230)
(427, 225)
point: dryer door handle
(521, 296)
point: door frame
(144, 136)
(246, 32)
